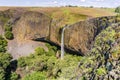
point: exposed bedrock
(32, 25)
(79, 37)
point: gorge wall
(32, 25)
(78, 37)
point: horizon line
(59, 6)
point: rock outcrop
(80, 36)
(26, 26)
(103, 60)
(32, 25)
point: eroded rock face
(80, 36)
(9, 16)
(32, 25)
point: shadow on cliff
(67, 50)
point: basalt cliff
(26, 54)
(79, 37)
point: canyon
(31, 26)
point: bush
(5, 59)
(3, 44)
(101, 71)
(2, 74)
(51, 47)
(117, 10)
(2, 49)
(8, 27)
(4, 64)
(39, 51)
(9, 35)
(35, 76)
(21, 62)
(1, 37)
(51, 50)
(8, 31)
(3, 18)
(48, 64)
(14, 76)
(118, 17)
(39, 63)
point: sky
(52, 3)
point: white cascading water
(62, 43)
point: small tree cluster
(3, 44)
(8, 31)
(48, 64)
(5, 60)
(9, 35)
(117, 10)
(35, 76)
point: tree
(2, 74)
(3, 44)
(8, 27)
(117, 10)
(5, 59)
(21, 62)
(9, 35)
(14, 76)
(35, 76)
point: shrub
(14, 76)
(4, 64)
(51, 65)
(2, 49)
(39, 51)
(9, 35)
(51, 50)
(3, 18)
(51, 47)
(2, 74)
(39, 63)
(5, 59)
(48, 64)
(117, 10)
(35, 76)
(8, 27)
(21, 62)
(3, 44)
(1, 37)
(118, 17)
(101, 71)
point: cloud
(82, 0)
(55, 2)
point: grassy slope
(109, 9)
(69, 15)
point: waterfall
(62, 42)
